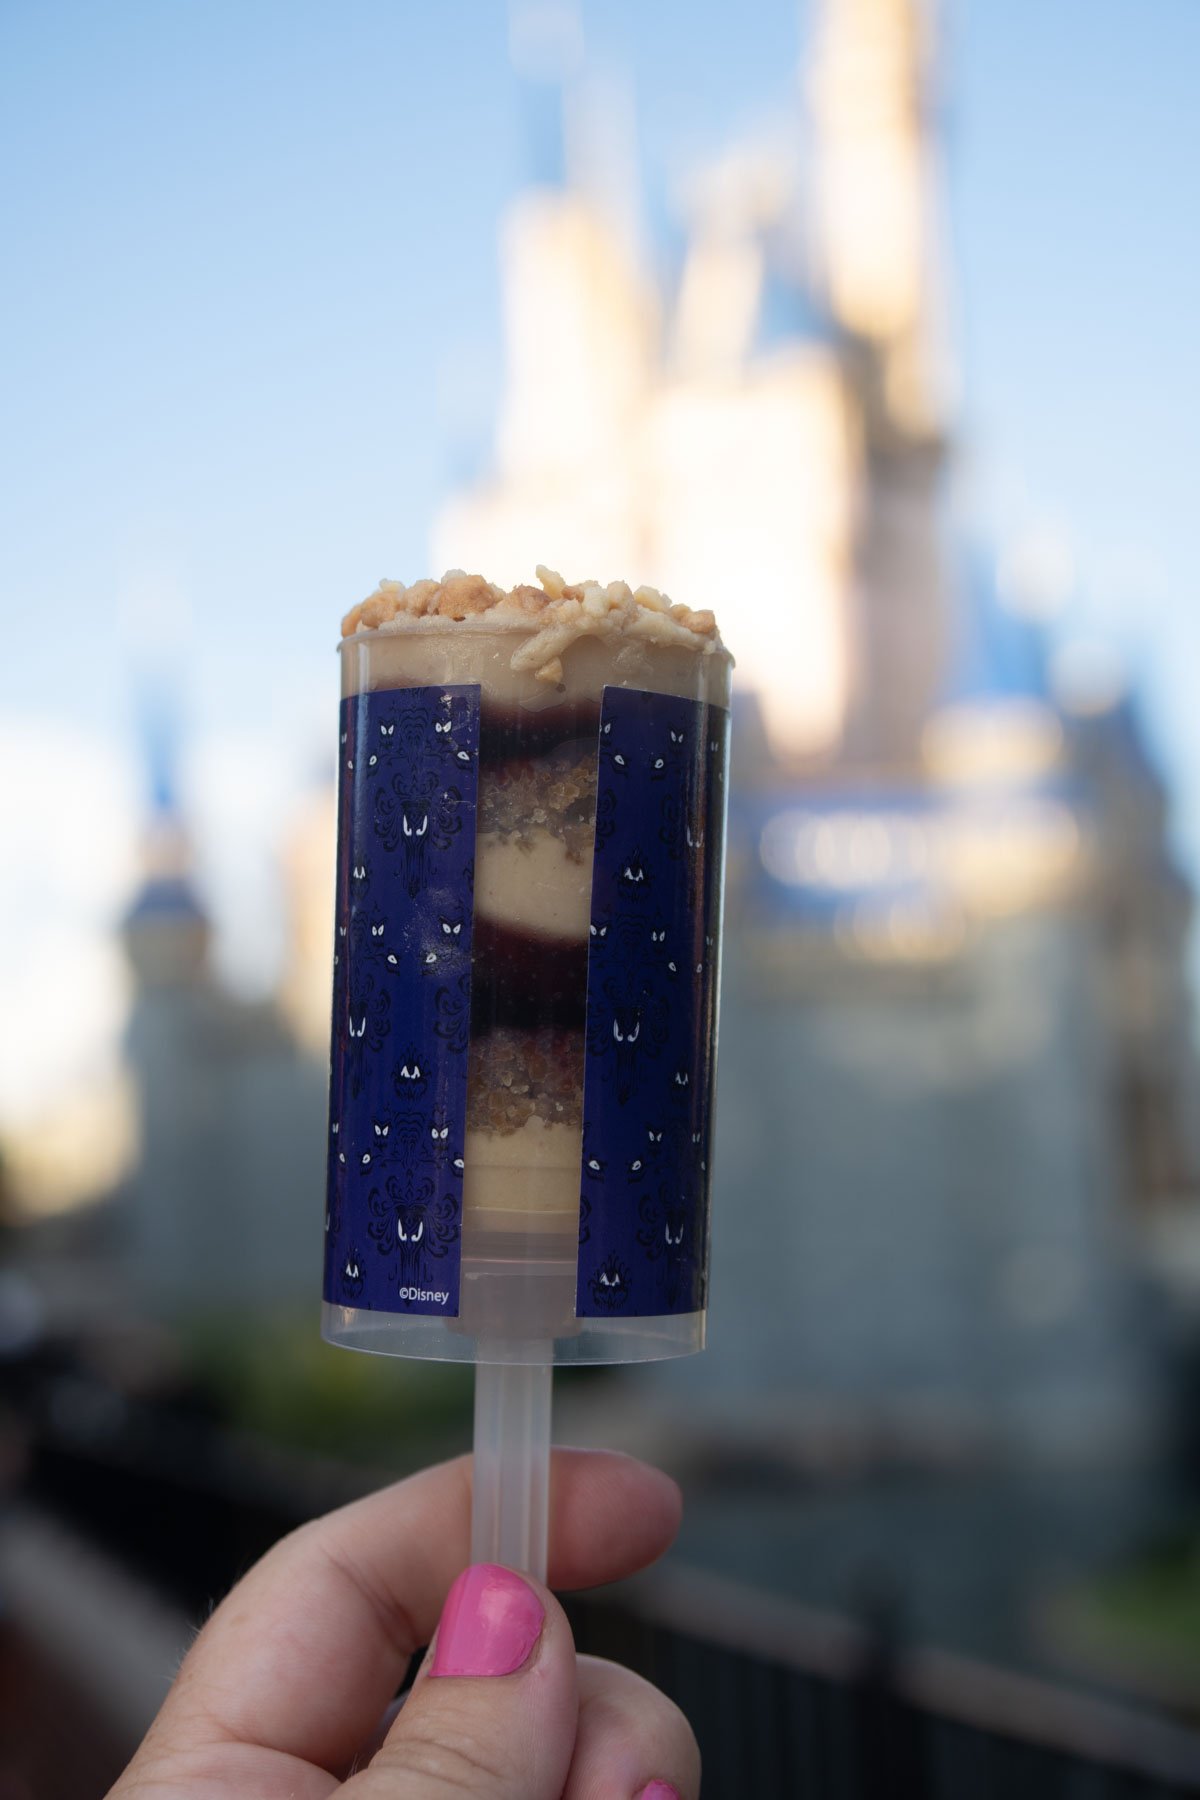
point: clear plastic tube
(510, 1497)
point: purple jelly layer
(516, 733)
(524, 979)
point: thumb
(494, 1710)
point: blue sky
(250, 241)
(251, 238)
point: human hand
(287, 1692)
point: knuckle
(465, 1766)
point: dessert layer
(556, 792)
(568, 729)
(524, 979)
(515, 1075)
(532, 883)
(551, 617)
(535, 1145)
(534, 1170)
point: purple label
(651, 1006)
(401, 998)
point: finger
(492, 1716)
(309, 1648)
(631, 1742)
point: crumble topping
(556, 612)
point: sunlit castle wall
(580, 335)
(752, 510)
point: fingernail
(490, 1623)
(659, 1790)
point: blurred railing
(783, 1701)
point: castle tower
(167, 934)
(580, 333)
(224, 1202)
(879, 254)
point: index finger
(311, 1645)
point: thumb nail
(490, 1623)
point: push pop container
(530, 853)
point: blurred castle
(772, 446)
(956, 1073)
(956, 1065)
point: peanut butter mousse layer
(526, 1176)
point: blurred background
(870, 324)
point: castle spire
(872, 99)
(166, 929)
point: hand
(287, 1692)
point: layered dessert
(542, 657)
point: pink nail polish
(659, 1790)
(490, 1623)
